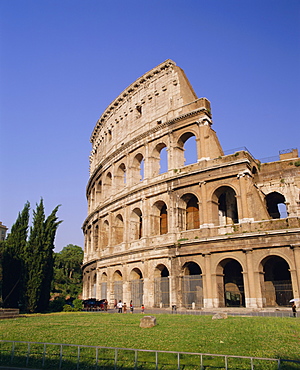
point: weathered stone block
(219, 316)
(148, 322)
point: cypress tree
(50, 227)
(13, 267)
(34, 258)
(40, 258)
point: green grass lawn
(244, 336)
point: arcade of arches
(173, 220)
(229, 283)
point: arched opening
(163, 163)
(88, 290)
(94, 287)
(225, 200)
(137, 169)
(159, 218)
(230, 284)
(191, 212)
(159, 159)
(190, 151)
(105, 234)
(161, 286)
(136, 223)
(98, 190)
(136, 287)
(89, 239)
(276, 205)
(118, 286)
(119, 230)
(163, 225)
(192, 286)
(187, 145)
(277, 285)
(108, 184)
(91, 198)
(120, 177)
(103, 287)
(96, 237)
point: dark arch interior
(276, 269)
(193, 268)
(233, 284)
(277, 282)
(272, 200)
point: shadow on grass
(57, 357)
(124, 363)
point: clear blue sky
(63, 61)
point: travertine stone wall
(207, 234)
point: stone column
(251, 282)
(148, 285)
(295, 274)
(110, 287)
(243, 206)
(208, 290)
(173, 283)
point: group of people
(122, 307)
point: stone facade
(222, 231)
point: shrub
(68, 308)
(77, 303)
(57, 304)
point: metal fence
(37, 355)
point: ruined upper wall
(157, 93)
(160, 95)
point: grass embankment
(243, 336)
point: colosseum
(173, 220)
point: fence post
(251, 361)
(28, 352)
(178, 360)
(97, 349)
(12, 352)
(156, 360)
(60, 356)
(116, 359)
(44, 354)
(135, 359)
(78, 356)
(226, 362)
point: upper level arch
(225, 210)
(118, 232)
(159, 159)
(187, 149)
(276, 205)
(159, 216)
(189, 213)
(137, 168)
(136, 224)
(120, 176)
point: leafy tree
(67, 271)
(13, 266)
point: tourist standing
(119, 306)
(131, 306)
(294, 309)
